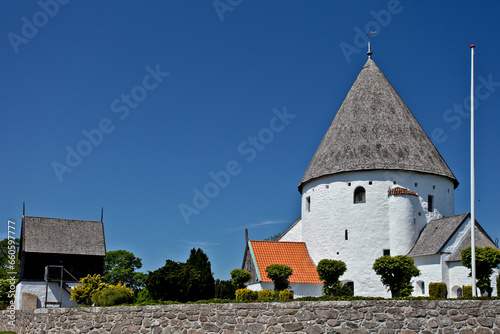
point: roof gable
(292, 254)
(448, 235)
(482, 239)
(62, 236)
(435, 235)
(374, 129)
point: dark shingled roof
(438, 231)
(62, 236)
(374, 129)
(435, 235)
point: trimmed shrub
(266, 295)
(113, 295)
(285, 295)
(245, 295)
(279, 273)
(240, 277)
(340, 289)
(438, 290)
(467, 291)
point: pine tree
(199, 260)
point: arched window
(359, 195)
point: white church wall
(294, 234)
(404, 223)
(306, 289)
(334, 227)
(299, 289)
(38, 288)
(430, 272)
(458, 276)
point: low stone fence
(380, 316)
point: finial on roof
(102, 213)
(24, 208)
(369, 53)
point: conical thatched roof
(374, 129)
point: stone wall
(382, 316)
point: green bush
(83, 292)
(113, 295)
(143, 297)
(279, 273)
(285, 295)
(245, 295)
(266, 295)
(339, 289)
(438, 290)
(467, 291)
(240, 277)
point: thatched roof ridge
(374, 129)
(62, 236)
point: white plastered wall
(332, 212)
(38, 288)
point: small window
(421, 285)
(349, 184)
(416, 184)
(394, 182)
(370, 182)
(434, 187)
(359, 195)
(346, 235)
(387, 252)
(308, 203)
(414, 220)
(420, 213)
(327, 186)
(430, 203)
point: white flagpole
(472, 179)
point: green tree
(176, 281)
(329, 272)
(224, 289)
(279, 273)
(6, 294)
(396, 273)
(199, 260)
(6, 266)
(239, 278)
(487, 258)
(121, 266)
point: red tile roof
(401, 191)
(292, 254)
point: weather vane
(369, 53)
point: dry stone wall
(382, 316)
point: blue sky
(157, 97)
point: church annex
(375, 186)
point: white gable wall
(294, 234)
